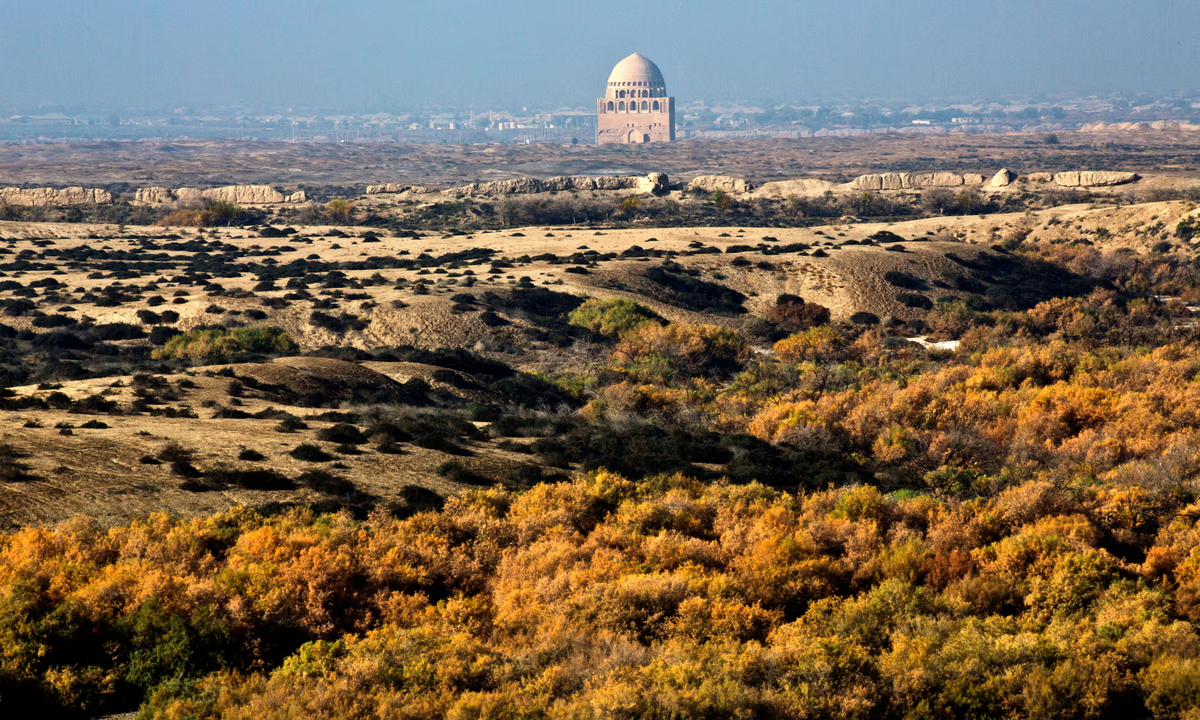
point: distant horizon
(375, 56)
(896, 103)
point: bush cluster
(664, 598)
(226, 343)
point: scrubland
(934, 464)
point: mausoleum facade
(635, 108)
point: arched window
(621, 106)
(645, 93)
(645, 106)
(655, 105)
(611, 106)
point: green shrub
(219, 342)
(1188, 228)
(612, 318)
(159, 646)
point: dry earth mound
(240, 194)
(315, 380)
(500, 293)
(1136, 127)
(460, 384)
(52, 197)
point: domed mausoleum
(635, 107)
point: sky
(376, 55)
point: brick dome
(635, 108)
(638, 71)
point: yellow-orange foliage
(601, 592)
(816, 344)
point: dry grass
(96, 471)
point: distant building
(635, 108)
(51, 119)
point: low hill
(88, 310)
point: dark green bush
(310, 453)
(342, 433)
(904, 280)
(327, 483)
(914, 300)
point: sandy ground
(97, 471)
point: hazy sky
(375, 54)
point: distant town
(567, 125)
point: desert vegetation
(668, 597)
(563, 471)
(221, 343)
